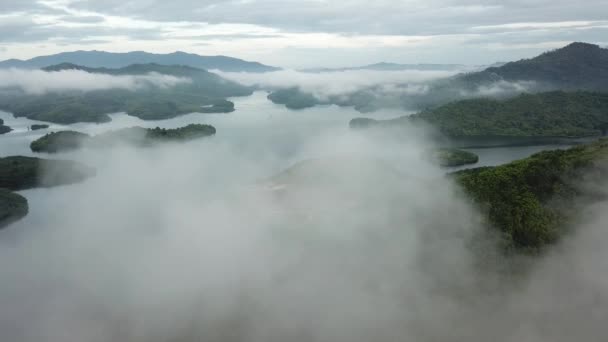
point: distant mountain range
(102, 59)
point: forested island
(138, 136)
(38, 127)
(22, 173)
(201, 92)
(4, 129)
(13, 207)
(449, 157)
(58, 142)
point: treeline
(69, 140)
(551, 114)
(533, 201)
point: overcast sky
(305, 33)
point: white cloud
(543, 25)
(40, 82)
(337, 83)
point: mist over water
(365, 241)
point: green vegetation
(13, 207)
(59, 142)
(554, 114)
(532, 201)
(21, 173)
(453, 157)
(293, 98)
(38, 127)
(4, 129)
(201, 92)
(148, 136)
(69, 140)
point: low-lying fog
(193, 242)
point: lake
(256, 124)
(259, 130)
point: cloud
(39, 82)
(501, 88)
(337, 83)
(192, 246)
(356, 16)
(543, 25)
(300, 34)
(366, 242)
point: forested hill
(534, 201)
(200, 92)
(577, 66)
(551, 114)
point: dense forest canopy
(21, 173)
(533, 201)
(551, 114)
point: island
(64, 141)
(199, 91)
(38, 127)
(22, 173)
(4, 129)
(294, 98)
(58, 142)
(450, 157)
(13, 207)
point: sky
(305, 33)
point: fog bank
(361, 240)
(335, 83)
(38, 82)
